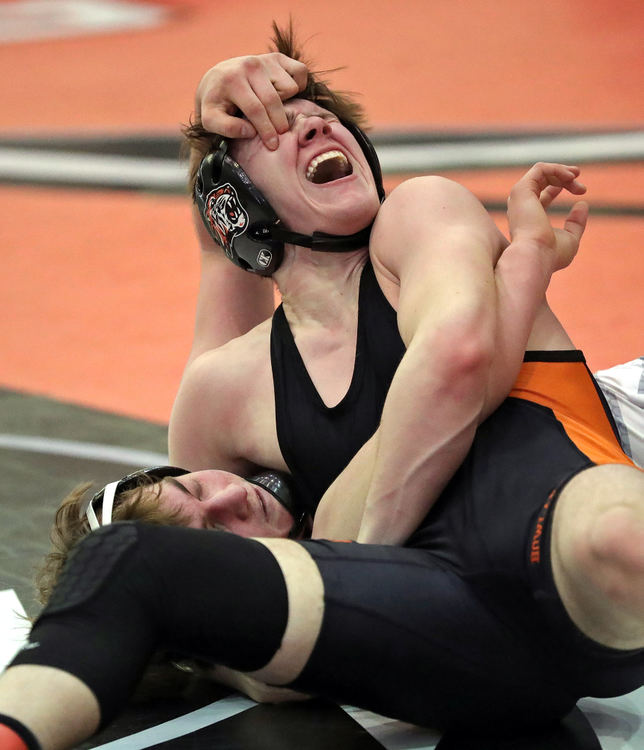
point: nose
(312, 126)
(226, 506)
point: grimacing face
(318, 179)
(214, 499)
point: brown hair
(199, 141)
(137, 504)
(161, 678)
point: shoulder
(427, 204)
(216, 390)
(427, 215)
(234, 365)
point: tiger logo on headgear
(226, 215)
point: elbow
(467, 352)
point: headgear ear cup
(279, 485)
(240, 219)
(236, 214)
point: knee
(615, 552)
(604, 538)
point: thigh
(305, 592)
(407, 637)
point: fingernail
(273, 142)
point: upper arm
(435, 246)
(231, 301)
(201, 432)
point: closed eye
(291, 117)
(193, 491)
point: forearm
(522, 276)
(255, 689)
(442, 392)
(524, 270)
(230, 300)
(466, 315)
(430, 417)
(340, 511)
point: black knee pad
(130, 589)
(93, 562)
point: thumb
(575, 223)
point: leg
(33, 694)
(405, 636)
(598, 554)
(131, 589)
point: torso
(318, 432)
(554, 424)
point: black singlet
(333, 434)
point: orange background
(98, 287)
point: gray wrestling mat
(46, 448)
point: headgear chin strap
(240, 219)
(274, 482)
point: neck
(319, 286)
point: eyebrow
(178, 485)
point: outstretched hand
(256, 85)
(527, 216)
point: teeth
(315, 163)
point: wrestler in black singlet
(479, 538)
(463, 627)
(318, 441)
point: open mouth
(332, 165)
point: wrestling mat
(97, 319)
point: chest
(328, 361)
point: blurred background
(99, 262)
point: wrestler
(303, 392)
(545, 633)
(520, 592)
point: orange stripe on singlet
(568, 389)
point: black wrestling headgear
(277, 483)
(240, 219)
(103, 501)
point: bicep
(435, 241)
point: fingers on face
(257, 86)
(216, 120)
(296, 70)
(279, 79)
